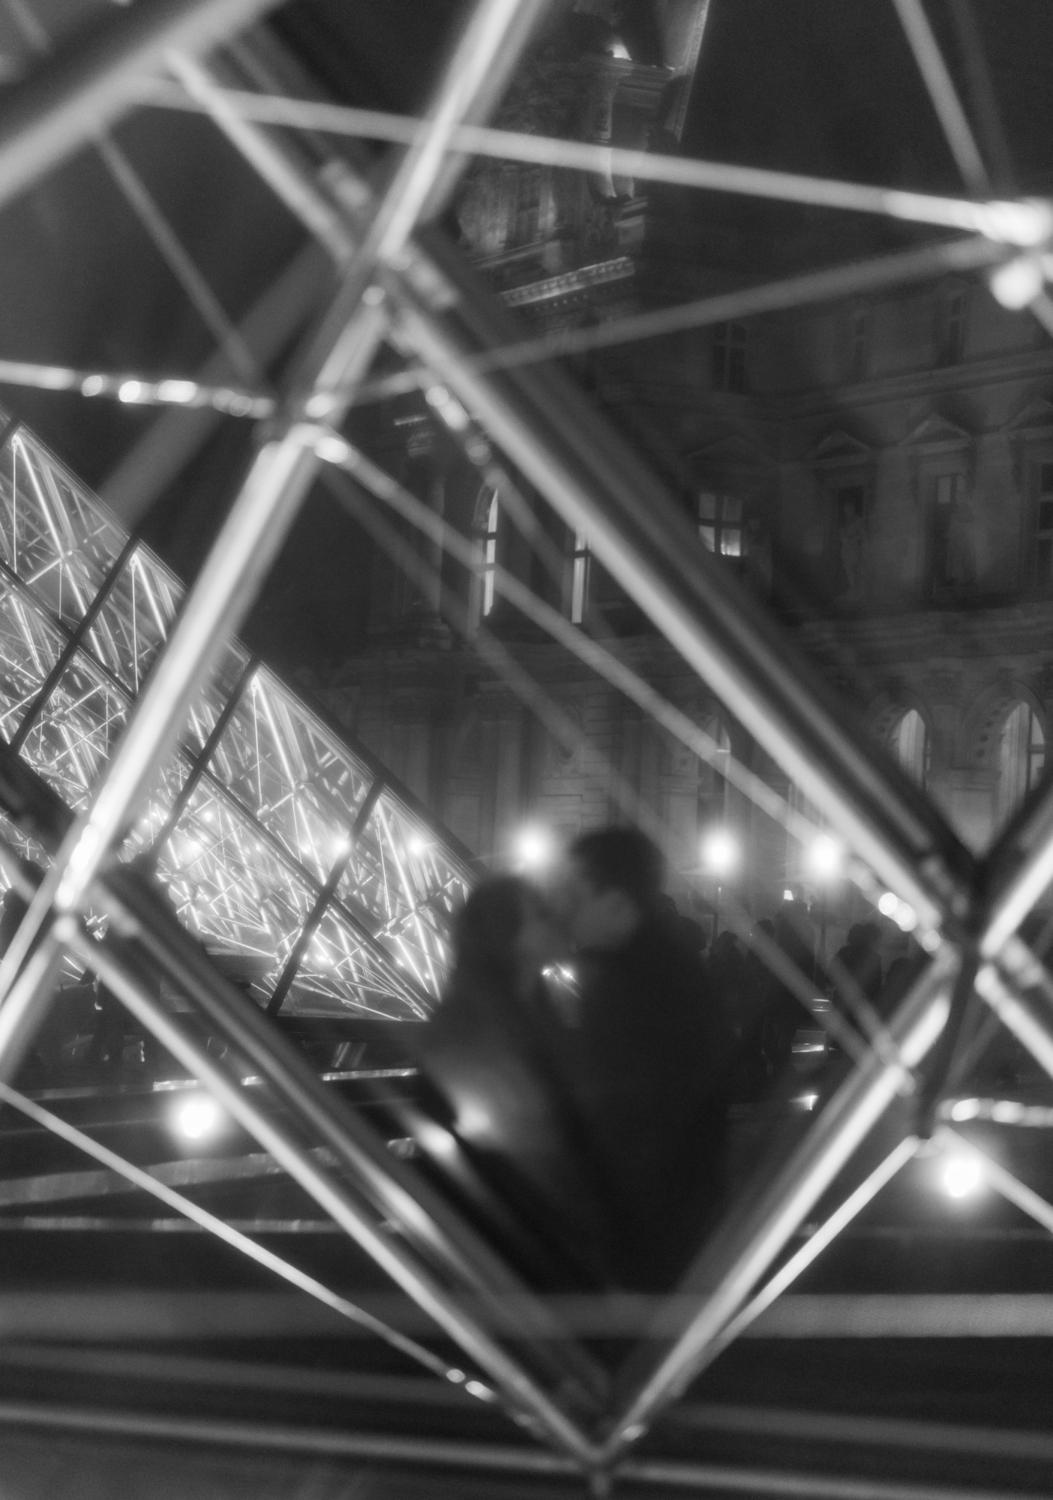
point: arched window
(1021, 757)
(486, 555)
(910, 743)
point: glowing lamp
(534, 848)
(824, 857)
(197, 1117)
(720, 851)
(961, 1176)
(1017, 283)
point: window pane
(707, 507)
(732, 508)
(731, 541)
(708, 535)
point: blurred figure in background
(494, 1049)
(647, 1058)
(783, 1012)
(860, 959)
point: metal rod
(275, 487)
(601, 488)
(67, 100)
(1010, 1187)
(933, 69)
(401, 1450)
(401, 1195)
(1011, 222)
(421, 1213)
(1018, 868)
(855, 278)
(167, 447)
(178, 259)
(229, 1236)
(1021, 1018)
(72, 646)
(516, 1385)
(20, 1010)
(487, 52)
(200, 763)
(816, 1243)
(592, 653)
(739, 1253)
(325, 896)
(288, 177)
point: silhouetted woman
(493, 1050)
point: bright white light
(787, 894)
(320, 405)
(479, 1391)
(197, 1117)
(94, 385)
(534, 848)
(905, 917)
(720, 852)
(965, 1109)
(417, 845)
(449, 409)
(177, 390)
(962, 1176)
(331, 448)
(1017, 283)
(130, 390)
(888, 904)
(824, 857)
(473, 1121)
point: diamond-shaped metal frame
(408, 284)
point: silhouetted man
(646, 1057)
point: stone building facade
(879, 470)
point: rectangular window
(1044, 527)
(859, 344)
(720, 523)
(579, 578)
(850, 543)
(952, 333)
(729, 357)
(945, 524)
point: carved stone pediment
(730, 452)
(1035, 417)
(840, 449)
(938, 434)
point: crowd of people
(588, 1038)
